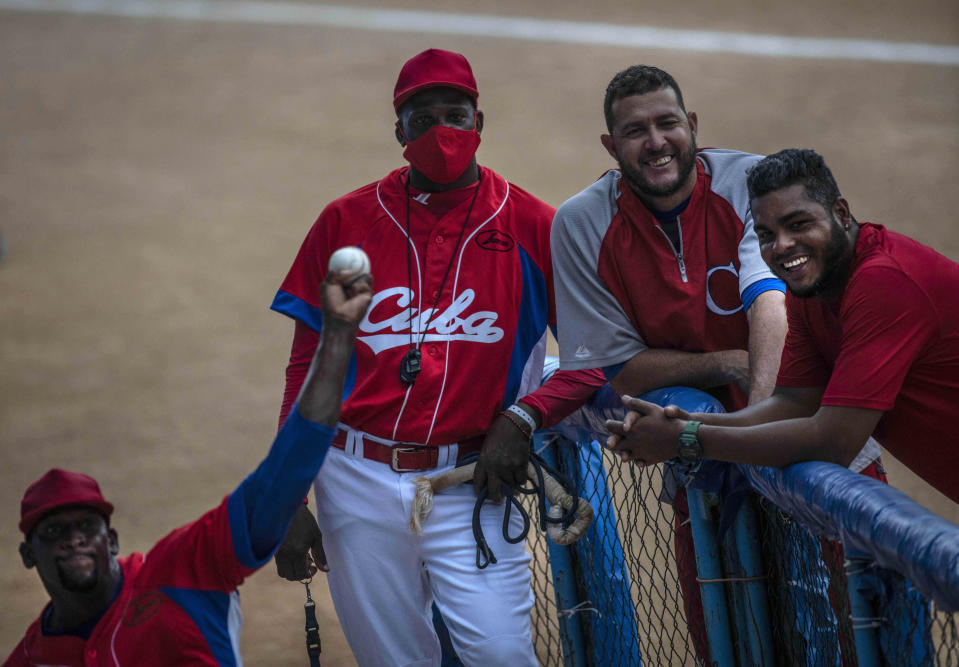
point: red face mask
(442, 153)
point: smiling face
(73, 550)
(806, 246)
(654, 142)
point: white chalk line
(502, 27)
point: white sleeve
(728, 171)
(752, 268)
(593, 329)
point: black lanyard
(312, 627)
(410, 365)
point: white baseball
(349, 258)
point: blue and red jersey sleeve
(224, 546)
(564, 391)
(299, 294)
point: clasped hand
(648, 434)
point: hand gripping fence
(563, 528)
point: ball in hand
(350, 259)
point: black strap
(312, 629)
(409, 270)
(484, 554)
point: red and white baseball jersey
(178, 605)
(484, 344)
(622, 287)
(891, 343)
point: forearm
(656, 368)
(563, 393)
(776, 444)
(305, 342)
(778, 407)
(274, 491)
(767, 334)
(322, 393)
(834, 434)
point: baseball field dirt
(157, 177)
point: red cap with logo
(60, 488)
(434, 68)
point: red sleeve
(887, 321)
(18, 657)
(308, 270)
(564, 392)
(305, 341)
(533, 219)
(548, 271)
(801, 365)
(200, 555)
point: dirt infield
(157, 177)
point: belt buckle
(397, 450)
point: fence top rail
(873, 520)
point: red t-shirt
(890, 343)
(178, 605)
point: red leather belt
(407, 456)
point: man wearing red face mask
(448, 363)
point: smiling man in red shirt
(872, 348)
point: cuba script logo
(390, 319)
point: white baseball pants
(384, 579)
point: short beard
(78, 585)
(835, 261)
(632, 176)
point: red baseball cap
(60, 488)
(434, 68)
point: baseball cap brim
(33, 518)
(407, 94)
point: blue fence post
(709, 567)
(614, 637)
(738, 604)
(757, 631)
(865, 625)
(564, 579)
(907, 624)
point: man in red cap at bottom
(178, 604)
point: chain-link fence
(620, 596)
